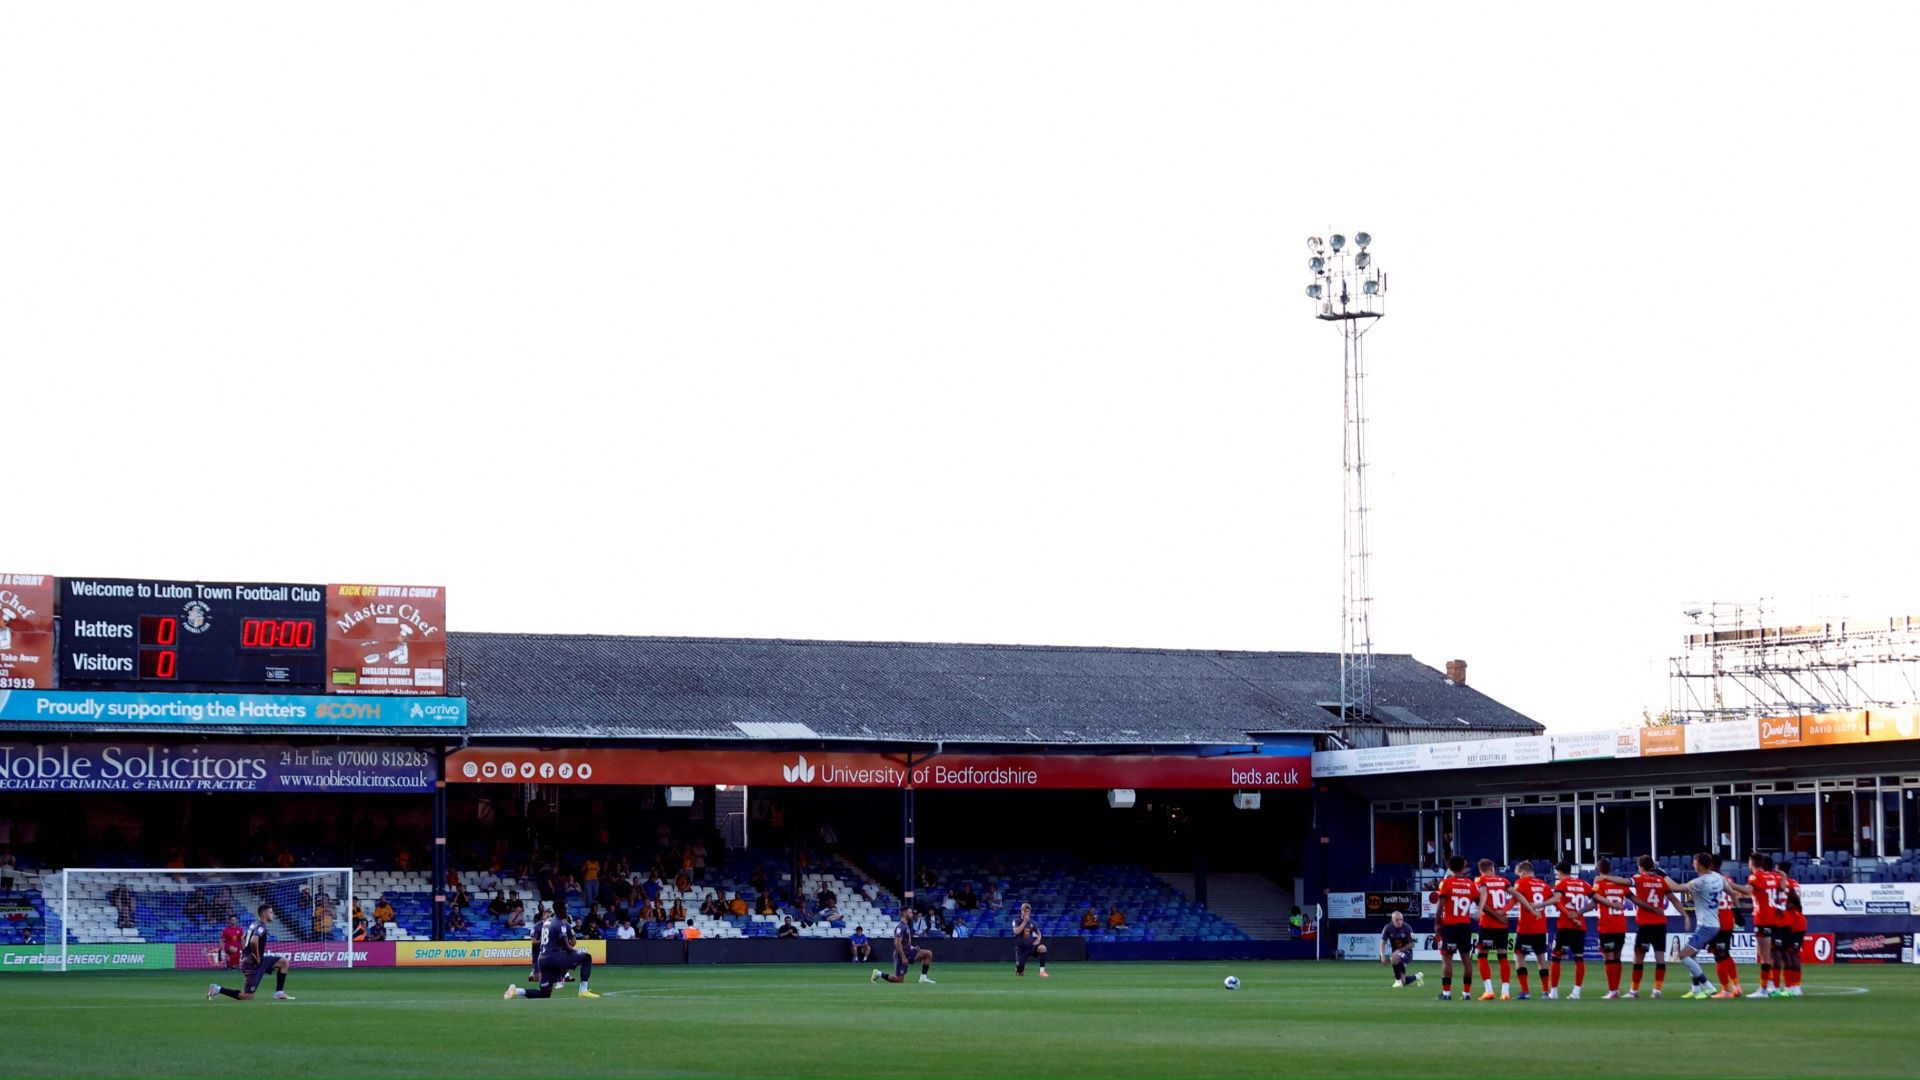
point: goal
(118, 920)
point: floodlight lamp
(1316, 264)
(1363, 260)
(1371, 288)
(1314, 244)
(1314, 290)
(1337, 241)
(1361, 240)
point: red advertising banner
(386, 639)
(860, 770)
(26, 632)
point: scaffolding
(1737, 666)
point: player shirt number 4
(1455, 896)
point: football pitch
(1289, 1019)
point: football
(1233, 982)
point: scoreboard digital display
(126, 632)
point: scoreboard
(128, 632)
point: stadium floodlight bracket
(1246, 800)
(1120, 798)
(679, 796)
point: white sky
(973, 322)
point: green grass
(1291, 1019)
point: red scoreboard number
(163, 661)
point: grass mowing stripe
(1299, 1019)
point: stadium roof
(522, 686)
(574, 687)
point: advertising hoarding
(386, 639)
(832, 769)
(147, 766)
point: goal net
(118, 920)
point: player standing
(255, 962)
(1494, 896)
(1788, 937)
(1612, 896)
(1703, 921)
(1453, 922)
(1573, 896)
(1532, 894)
(554, 956)
(1027, 942)
(1766, 886)
(905, 953)
(230, 941)
(1650, 925)
(1396, 948)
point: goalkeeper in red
(255, 962)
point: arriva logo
(801, 773)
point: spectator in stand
(829, 911)
(993, 899)
(968, 899)
(758, 880)
(921, 926)
(805, 911)
(122, 898)
(763, 905)
(591, 927)
(678, 913)
(1089, 919)
(948, 906)
(456, 921)
(654, 886)
(460, 897)
(516, 918)
(739, 904)
(402, 860)
(699, 860)
(690, 931)
(376, 931)
(623, 931)
(498, 905)
(825, 898)
(862, 949)
(787, 929)
(322, 918)
(1115, 920)
(960, 930)
(382, 910)
(590, 880)
(710, 907)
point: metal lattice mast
(1349, 291)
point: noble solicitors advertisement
(145, 766)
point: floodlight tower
(1349, 291)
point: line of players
(1472, 918)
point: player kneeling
(554, 956)
(905, 954)
(1027, 942)
(255, 962)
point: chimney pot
(1457, 672)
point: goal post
(106, 919)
